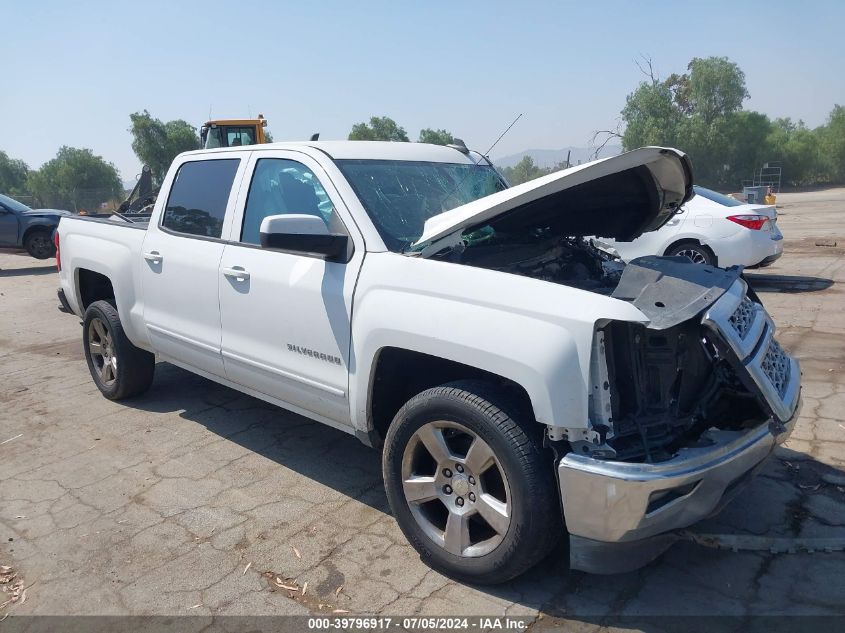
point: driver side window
(280, 186)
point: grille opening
(743, 317)
(668, 387)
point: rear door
(181, 260)
(286, 316)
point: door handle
(237, 273)
(154, 256)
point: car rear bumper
(620, 515)
(768, 261)
(747, 248)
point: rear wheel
(694, 252)
(119, 369)
(39, 245)
(470, 485)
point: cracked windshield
(400, 196)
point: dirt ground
(193, 498)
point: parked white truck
(524, 385)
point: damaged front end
(706, 359)
(683, 411)
(685, 403)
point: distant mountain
(551, 157)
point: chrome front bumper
(619, 514)
(623, 501)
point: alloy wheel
(694, 255)
(456, 488)
(101, 348)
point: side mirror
(303, 234)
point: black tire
(535, 525)
(103, 339)
(40, 245)
(695, 252)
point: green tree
(436, 137)
(832, 144)
(700, 112)
(798, 149)
(716, 87)
(75, 179)
(156, 143)
(379, 129)
(13, 173)
(650, 116)
(524, 171)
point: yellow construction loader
(233, 132)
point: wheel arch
(40, 227)
(398, 374)
(93, 286)
(692, 240)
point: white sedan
(713, 229)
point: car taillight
(753, 222)
(58, 255)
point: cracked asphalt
(193, 498)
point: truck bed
(101, 246)
(138, 221)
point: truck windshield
(399, 196)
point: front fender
(534, 333)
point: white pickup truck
(525, 386)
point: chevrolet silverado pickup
(526, 387)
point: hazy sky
(73, 71)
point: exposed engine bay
(570, 261)
(666, 382)
(666, 387)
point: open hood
(619, 197)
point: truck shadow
(762, 282)
(794, 495)
(23, 272)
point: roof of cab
(363, 150)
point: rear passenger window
(198, 197)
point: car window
(198, 197)
(715, 196)
(281, 186)
(236, 136)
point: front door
(286, 317)
(181, 261)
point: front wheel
(119, 369)
(39, 245)
(470, 484)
